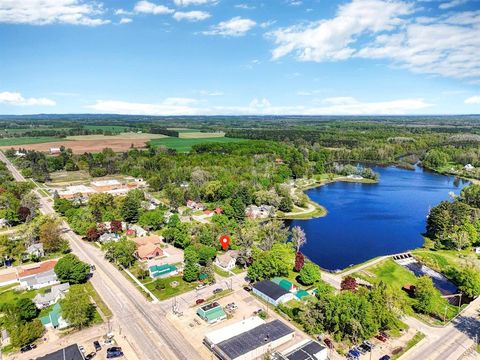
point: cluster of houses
(112, 186)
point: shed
(211, 313)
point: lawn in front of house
(168, 291)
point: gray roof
(269, 288)
(34, 248)
(250, 340)
(306, 351)
(71, 352)
(50, 296)
(44, 277)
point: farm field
(201, 135)
(183, 130)
(112, 128)
(9, 142)
(184, 145)
(129, 135)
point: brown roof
(152, 239)
(8, 275)
(144, 250)
(37, 268)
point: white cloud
(473, 100)
(245, 6)
(451, 4)
(16, 99)
(445, 45)
(211, 93)
(122, 12)
(125, 20)
(236, 26)
(193, 2)
(262, 106)
(267, 24)
(147, 7)
(42, 12)
(331, 39)
(191, 15)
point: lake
(369, 220)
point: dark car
(199, 301)
(381, 338)
(91, 355)
(97, 346)
(247, 288)
(353, 354)
(217, 290)
(329, 343)
(28, 348)
(385, 357)
(365, 348)
(114, 352)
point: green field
(184, 145)
(169, 291)
(112, 128)
(183, 130)
(27, 140)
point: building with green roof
(54, 318)
(211, 313)
(160, 271)
(283, 283)
(301, 294)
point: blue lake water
(369, 220)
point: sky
(235, 57)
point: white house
(139, 231)
(469, 167)
(3, 223)
(227, 261)
(55, 150)
(107, 237)
(38, 281)
(259, 212)
(51, 297)
(20, 154)
(477, 250)
(35, 250)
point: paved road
(142, 323)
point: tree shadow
(468, 325)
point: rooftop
(158, 270)
(270, 289)
(307, 351)
(71, 352)
(105, 183)
(261, 335)
(227, 332)
(37, 268)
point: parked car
(329, 343)
(199, 301)
(381, 338)
(81, 348)
(247, 288)
(385, 357)
(231, 307)
(217, 290)
(365, 348)
(200, 286)
(114, 352)
(91, 355)
(92, 267)
(28, 348)
(353, 354)
(359, 349)
(256, 312)
(97, 346)
(369, 344)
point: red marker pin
(224, 241)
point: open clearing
(9, 142)
(184, 145)
(130, 135)
(201, 135)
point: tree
(471, 195)
(26, 309)
(76, 307)
(24, 333)
(468, 281)
(309, 274)
(122, 252)
(71, 269)
(153, 219)
(191, 269)
(349, 283)
(299, 261)
(267, 264)
(99, 203)
(50, 236)
(206, 254)
(273, 232)
(426, 295)
(92, 234)
(116, 226)
(298, 237)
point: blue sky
(189, 57)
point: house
(105, 185)
(211, 313)
(469, 167)
(139, 231)
(271, 292)
(52, 296)
(148, 247)
(249, 339)
(54, 319)
(19, 154)
(227, 261)
(305, 350)
(161, 271)
(259, 212)
(107, 225)
(38, 275)
(35, 250)
(4, 337)
(107, 237)
(3, 223)
(55, 151)
(71, 352)
(194, 205)
(218, 211)
(8, 276)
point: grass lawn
(238, 270)
(112, 128)
(28, 140)
(98, 300)
(185, 145)
(170, 291)
(221, 272)
(441, 260)
(411, 343)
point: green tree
(131, 207)
(122, 252)
(426, 295)
(51, 237)
(26, 309)
(24, 333)
(153, 219)
(309, 274)
(468, 281)
(77, 309)
(71, 269)
(191, 269)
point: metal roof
(270, 289)
(250, 340)
(70, 352)
(306, 351)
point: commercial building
(211, 313)
(249, 339)
(271, 292)
(71, 352)
(305, 350)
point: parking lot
(194, 328)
